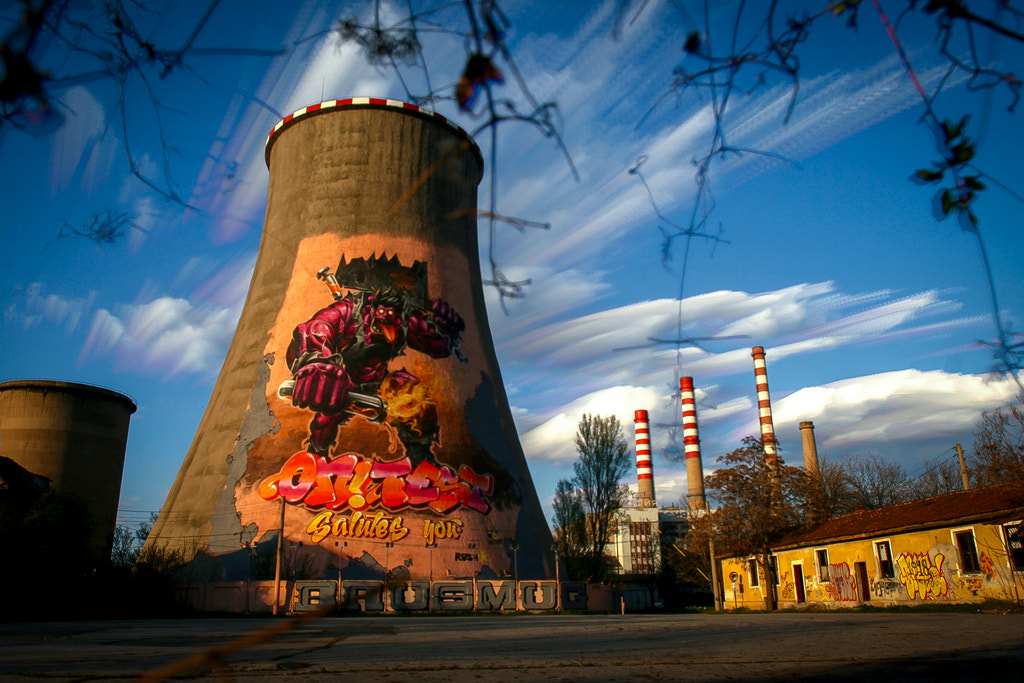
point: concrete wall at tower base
(371, 597)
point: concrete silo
(360, 406)
(75, 435)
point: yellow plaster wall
(926, 568)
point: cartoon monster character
(339, 358)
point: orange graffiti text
(358, 483)
(378, 525)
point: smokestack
(691, 446)
(360, 413)
(810, 448)
(644, 473)
(764, 407)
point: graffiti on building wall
(786, 587)
(886, 588)
(988, 567)
(842, 585)
(969, 584)
(922, 575)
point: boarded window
(968, 552)
(822, 557)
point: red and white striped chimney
(764, 407)
(644, 473)
(691, 446)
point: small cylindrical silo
(75, 435)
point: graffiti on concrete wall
(842, 586)
(922, 575)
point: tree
(938, 478)
(877, 483)
(829, 492)
(128, 542)
(757, 504)
(999, 446)
(587, 502)
(570, 527)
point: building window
(775, 569)
(968, 551)
(1015, 544)
(822, 557)
(641, 551)
(755, 580)
(884, 552)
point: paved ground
(737, 647)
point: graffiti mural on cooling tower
(376, 386)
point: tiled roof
(991, 503)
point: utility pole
(277, 563)
(963, 467)
(711, 550)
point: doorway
(863, 589)
(798, 583)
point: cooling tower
(360, 400)
(75, 435)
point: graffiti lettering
(920, 576)
(359, 483)
(466, 557)
(433, 531)
(842, 585)
(377, 525)
(971, 584)
(886, 588)
(786, 590)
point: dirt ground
(813, 646)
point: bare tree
(999, 446)
(829, 491)
(877, 483)
(940, 476)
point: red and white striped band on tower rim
(643, 445)
(764, 403)
(367, 102)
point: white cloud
(904, 405)
(554, 438)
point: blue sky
(870, 310)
